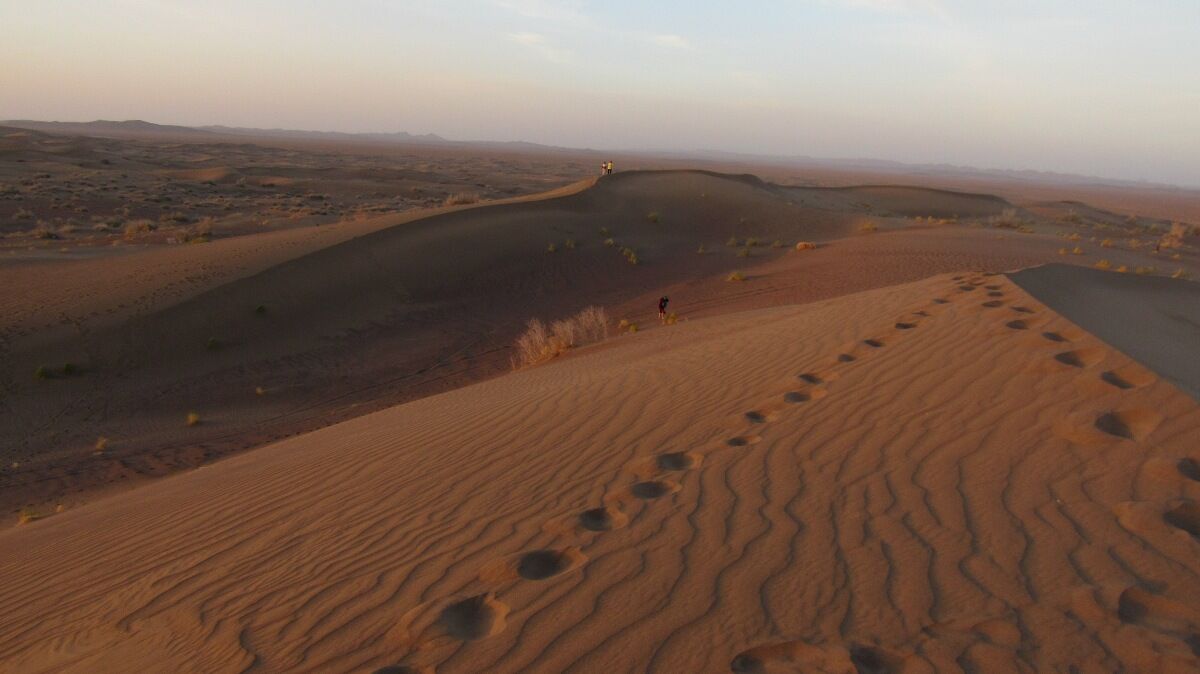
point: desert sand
(934, 475)
(945, 434)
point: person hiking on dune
(662, 308)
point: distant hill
(398, 136)
(107, 128)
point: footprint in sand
(1054, 337)
(1185, 517)
(533, 565)
(1080, 358)
(992, 304)
(905, 326)
(1130, 424)
(1126, 378)
(939, 300)
(475, 617)
(1023, 310)
(403, 669)
(677, 461)
(874, 343)
(995, 293)
(1017, 325)
(743, 441)
(1189, 468)
(799, 656)
(760, 417)
(817, 377)
(604, 518)
(653, 489)
(846, 358)
(1145, 608)
(797, 397)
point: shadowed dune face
(279, 333)
(663, 532)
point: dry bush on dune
(867, 226)
(540, 342)
(193, 419)
(135, 228)
(43, 230)
(736, 276)
(1174, 237)
(26, 516)
(806, 245)
(461, 199)
(1103, 264)
(201, 232)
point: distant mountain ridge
(136, 128)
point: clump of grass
(569, 244)
(551, 248)
(652, 216)
(732, 242)
(27, 515)
(101, 444)
(1106, 243)
(213, 344)
(806, 245)
(701, 250)
(44, 231)
(736, 276)
(193, 419)
(1142, 271)
(1062, 251)
(1102, 264)
(777, 244)
(42, 372)
(461, 198)
(630, 255)
(603, 231)
(135, 228)
(751, 242)
(1179, 274)
(745, 252)
(259, 391)
(261, 310)
(671, 319)
(540, 342)
(1077, 251)
(1174, 237)
(201, 232)
(69, 369)
(868, 226)
(1074, 236)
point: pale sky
(1099, 87)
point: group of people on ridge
(605, 168)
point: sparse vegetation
(551, 248)
(201, 232)
(101, 444)
(701, 250)
(212, 344)
(652, 216)
(610, 243)
(569, 244)
(27, 515)
(461, 199)
(69, 369)
(671, 319)
(751, 242)
(193, 419)
(736, 276)
(806, 245)
(745, 252)
(867, 226)
(1077, 251)
(261, 310)
(1102, 264)
(1174, 237)
(1179, 274)
(777, 244)
(42, 372)
(540, 342)
(732, 242)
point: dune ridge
(896, 480)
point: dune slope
(932, 475)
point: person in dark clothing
(662, 307)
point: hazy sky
(1102, 87)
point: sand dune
(906, 479)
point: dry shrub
(1174, 237)
(193, 419)
(1107, 243)
(135, 228)
(201, 232)
(1123, 269)
(736, 276)
(540, 342)
(1008, 219)
(1180, 274)
(26, 516)
(1103, 264)
(1077, 251)
(461, 199)
(806, 245)
(43, 230)
(867, 226)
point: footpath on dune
(940, 475)
(264, 338)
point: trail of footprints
(483, 615)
